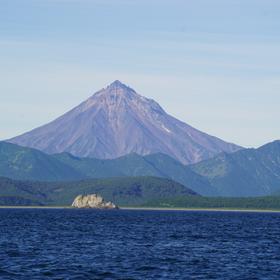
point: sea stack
(92, 201)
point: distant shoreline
(35, 207)
(201, 209)
(154, 209)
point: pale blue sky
(213, 64)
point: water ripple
(70, 244)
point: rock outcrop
(92, 201)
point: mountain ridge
(248, 172)
(25, 163)
(158, 165)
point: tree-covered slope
(157, 165)
(245, 203)
(128, 191)
(29, 164)
(249, 172)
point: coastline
(155, 209)
(35, 207)
(202, 209)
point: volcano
(117, 121)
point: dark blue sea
(134, 244)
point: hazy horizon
(212, 65)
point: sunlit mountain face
(117, 121)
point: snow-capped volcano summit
(116, 121)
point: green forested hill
(29, 164)
(123, 191)
(245, 203)
(22, 163)
(158, 165)
(128, 191)
(246, 173)
(249, 172)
